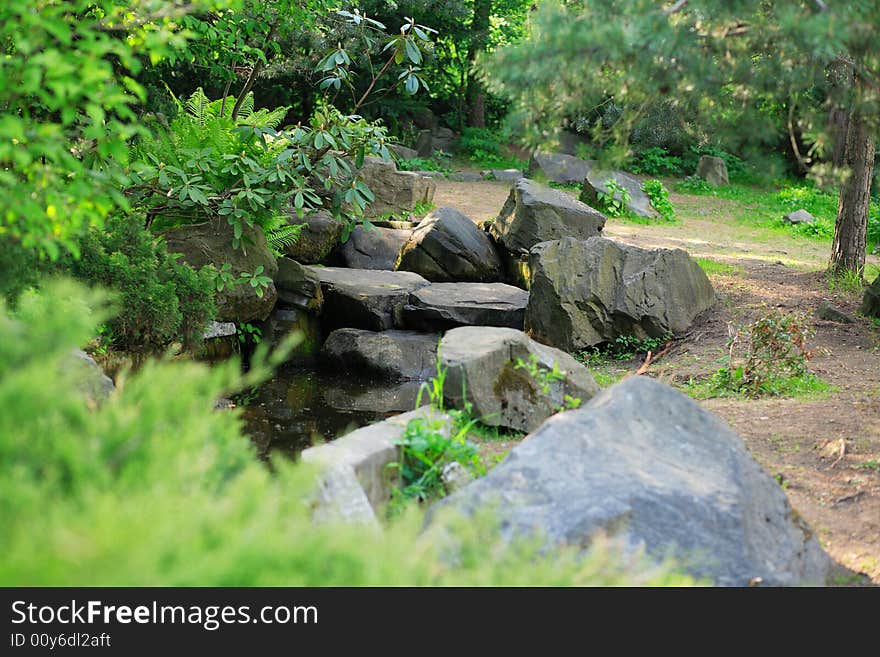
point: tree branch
(674, 9)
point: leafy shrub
(624, 347)
(440, 162)
(426, 447)
(694, 185)
(162, 300)
(93, 483)
(659, 196)
(776, 351)
(479, 141)
(656, 161)
(482, 147)
(614, 201)
(207, 164)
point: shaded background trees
(748, 72)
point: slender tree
(476, 95)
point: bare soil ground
(825, 449)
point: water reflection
(303, 405)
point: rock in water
(364, 298)
(393, 355)
(583, 293)
(447, 246)
(558, 167)
(489, 368)
(442, 306)
(297, 287)
(596, 182)
(534, 213)
(648, 466)
(210, 243)
(713, 170)
(374, 248)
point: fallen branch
(651, 358)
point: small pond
(304, 404)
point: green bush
(153, 487)
(483, 147)
(656, 161)
(659, 196)
(162, 300)
(479, 141)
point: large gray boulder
(491, 370)
(533, 214)
(435, 139)
(713, 170)
(559, 167)
(319, 236)
(583, 293)
(596, 182)
(447, 246)
(210, 243)
(365, 298)
(871, 301)
(373, 247)
(403, 152)
(93, 383)
(645, 465)
(395, 191)
(441, 306)
(298, 287)
(392, 355)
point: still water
(302, 405)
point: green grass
(714, 267)
(848, 282)
(486, 433)
(807, 386)
(765, 206)
(606, 376)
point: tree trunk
(850, 229)
(476, 96)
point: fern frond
(198, 106)
(281, 238)
(247, 106)
(264, 118)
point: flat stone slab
(364, 298)
(442, 306)
(298, 287)
(391, 355)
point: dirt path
(826, 449)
